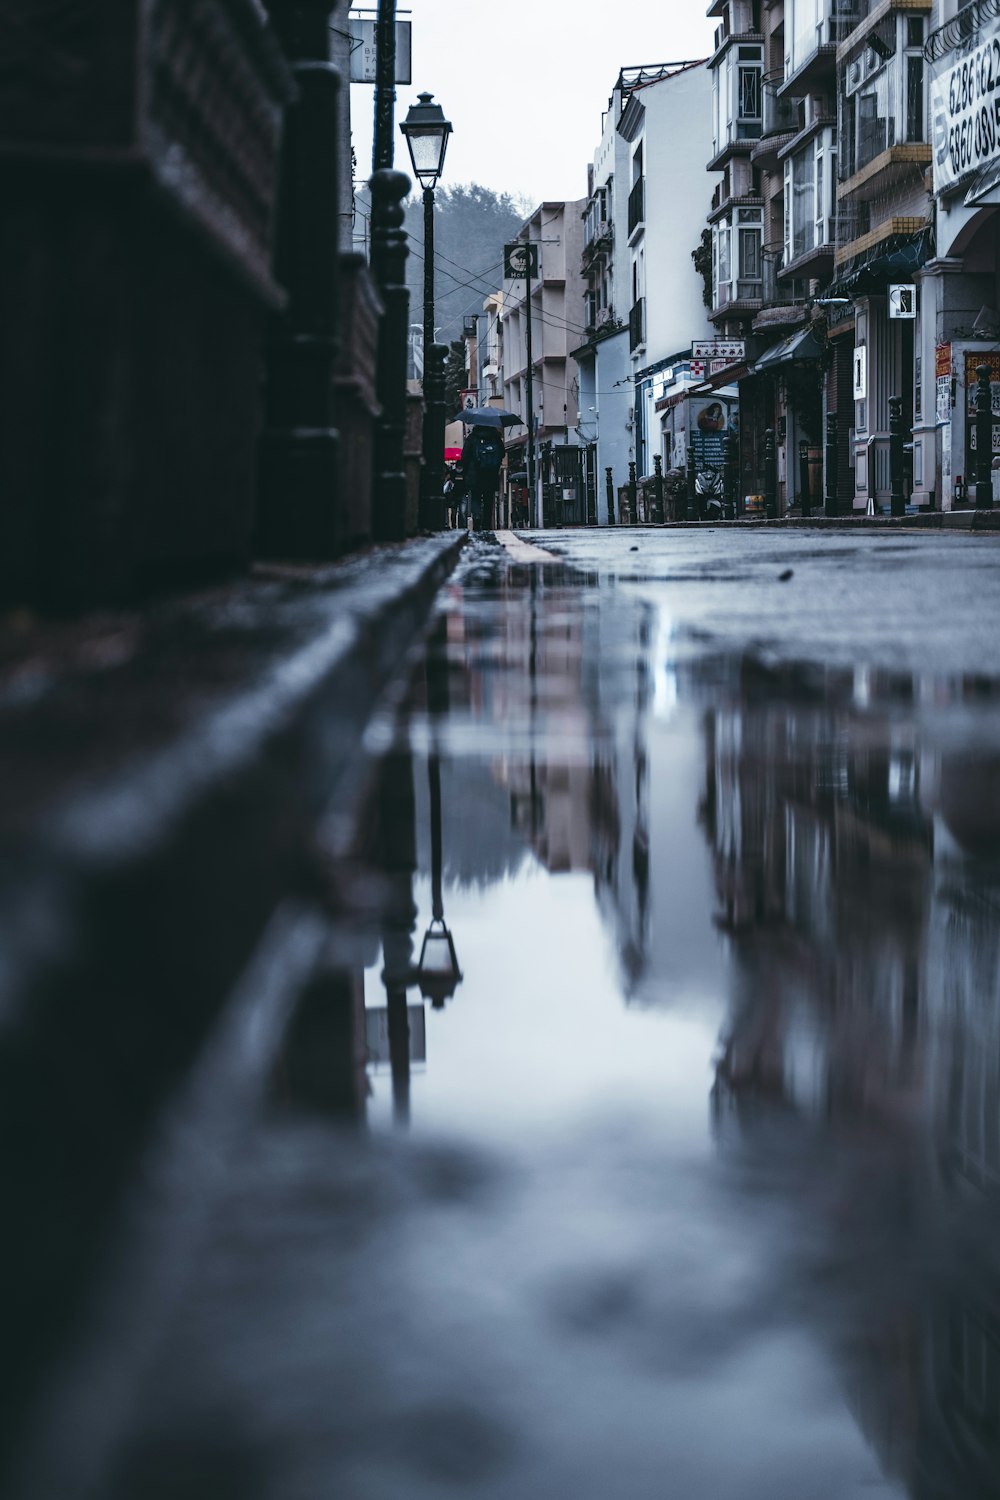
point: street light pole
(530, 393)
(428, 270)
(427, 131)
(385, 85)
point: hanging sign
(364, 50)
(965, 105)
(860, 372)
(726, 350)
(903, 302)
(520, 259)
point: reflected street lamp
(427, 131)
(437, 973)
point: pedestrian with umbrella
(482, 457)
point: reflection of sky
(538, 1036)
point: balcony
(724, 203)
(738, 299)
(782, 122)
(812, 257)
(598, 242)
(637, 206)
(817, 70)
(889, 166)
(637, 325)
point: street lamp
(427, 131)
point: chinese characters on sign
(726, 351)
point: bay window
(810, 196)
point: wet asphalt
(688, 1181)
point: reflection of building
(865, 947)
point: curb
(136, 897)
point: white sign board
(364, 52)
(860, 372)
(903, 301)
(724, 349)
(965, 105)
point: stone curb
(135, 898)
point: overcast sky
(525, 85)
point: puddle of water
(688, 1183)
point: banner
(965, 106)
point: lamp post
(427, 131)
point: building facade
(556, 228)
(643, 296)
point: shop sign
(972, 359)
(903, 302)
(942, 371)
(860, 372)
(520, 259)
(727, 350)
(965, 106)
(364, 50)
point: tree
(471, 225)
(702, 258)
(455, 376)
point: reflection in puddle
(786, 872)
(688, 1181)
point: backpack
(488, 451)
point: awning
(894, 259)
(730, 376)
(984, 182)
(798, 348)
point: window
(749, 254)
(882, 96)
(809, 196)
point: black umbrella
(487, 416)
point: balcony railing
(781, 116)
(637, 325)
(637, 205)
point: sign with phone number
(965, 108)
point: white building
(648, 199)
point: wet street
(689, 1185)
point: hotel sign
(965, 106)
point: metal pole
(984, 439)
(432, 475)
(770, 476)
(632, 496)
(530, 391)
(897, 500)
(609, 485)
(830, 506)
(804, 496)
(731, 469)
(658, 481)
(388, 189)
(428, 271)
(383, 145)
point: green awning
(796, 349)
